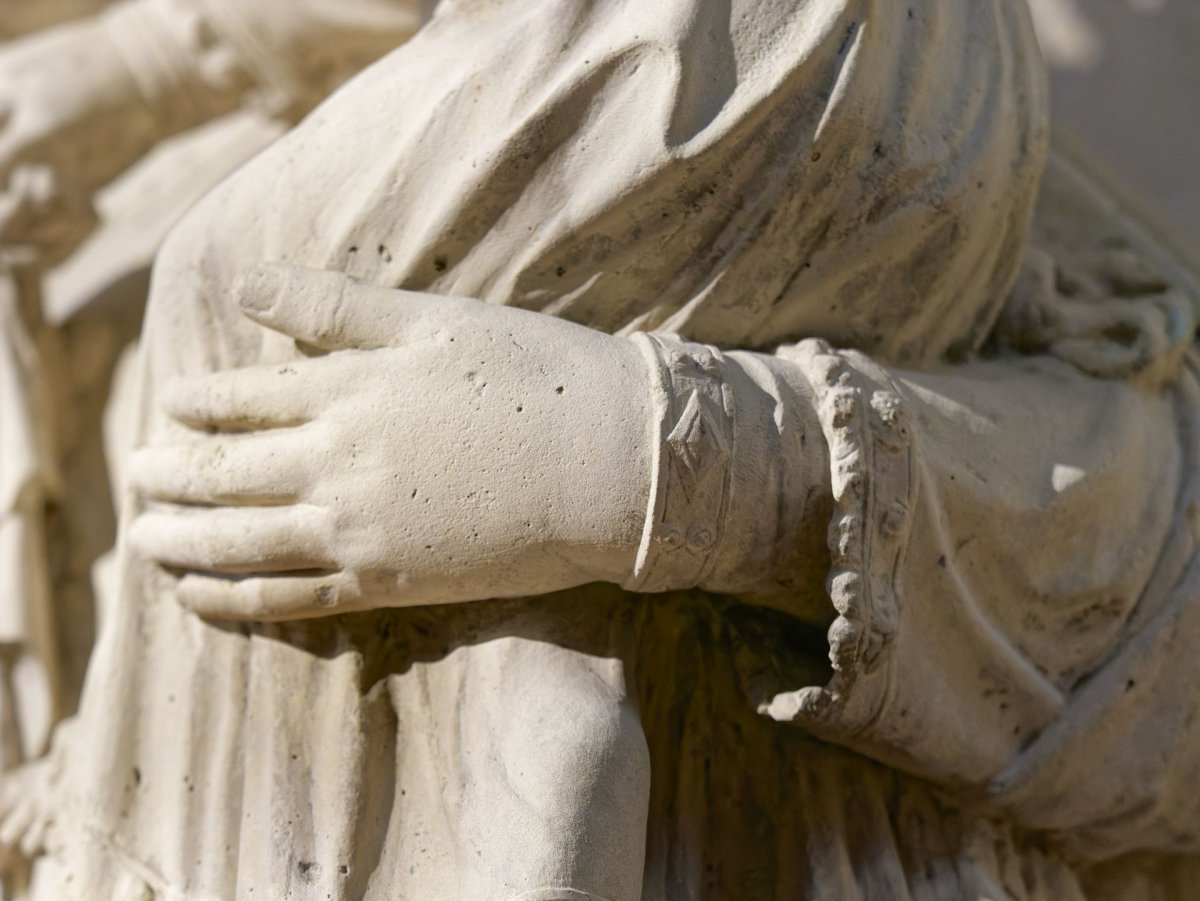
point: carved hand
(29, 809)
(444, 450)
(71, 118)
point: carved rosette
(869, 435)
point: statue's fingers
(34, 839)
(258, 469)
(234, 541)
(17, 822)
(269, 598)
(333, 312)
(260, 397)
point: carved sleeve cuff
(691, 466)
(734, 469)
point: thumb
(325, 309)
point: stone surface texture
(603, 451)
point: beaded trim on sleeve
(693, 452)
(869, 435)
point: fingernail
(257, 289)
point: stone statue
(630, 451)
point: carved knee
(568, 772)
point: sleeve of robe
(1015, 590)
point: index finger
(333, 312)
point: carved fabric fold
(743, 173)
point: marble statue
(621, 451)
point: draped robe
(861, 172)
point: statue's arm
(539, 454)
(1010, 571)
